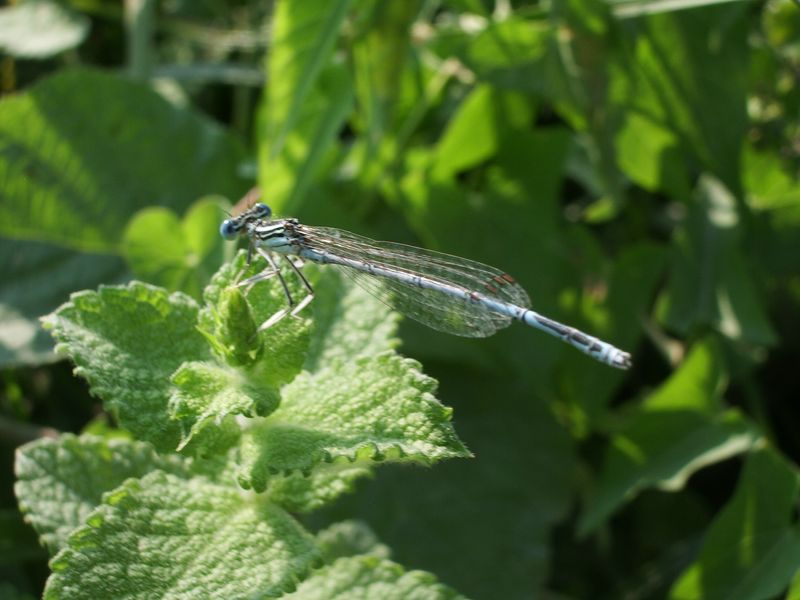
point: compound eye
(228, 229)
(262, 211)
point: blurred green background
(633, 164)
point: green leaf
(303, 36)
(678, 430)
(207, 393)
(767, 181)
(370, 409)
(509, 54)
(370, 577)
(587, 385)
(349, 538)
(650, 154)
(127, 341)
(178, 255)
(306, 102)
(512, 495)
(167, 537)
(81, 151)
(752, 549)
(711, 282)
(305, 493)
(474, 133)
(36, 279)
(40, 29)
(685, 61)
(280, 350)
(349, 322)
(59, 482)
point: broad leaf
(711, 281)
(173, 538)
(127, 341)
(178, 255)
(349, 538)
(59, 482)
(512, 495)
(306, 101)
(83, 141)
(371, 577)
(349, 322)
(370, 409)
(752, 549)
(37, 277)
(206, 392)
(679, 429)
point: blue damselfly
(447, 293)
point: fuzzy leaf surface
(59, 482)
(349, 538)
(205, 393)
(349, 322)
(127, 341)
(366, 577)
(173, 538)
(370, 409)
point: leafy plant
(200, 380)
(633, 164)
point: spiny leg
(277, 271)
(273, 271)
(310, 290)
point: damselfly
(447, 293)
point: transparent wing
(431, 307)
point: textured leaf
(678, 430)
(178, 255)
(511, 495)
(59, 482)
(370, 409)
(349, 322)
(349, 538)
(304, 493)
(207, 392)
(282, 348)
(127, 341)
(752, 549)
(371, 577)
(167, 537)
(36, 279)
(83, 141)
(40, 29)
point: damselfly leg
(293, 307)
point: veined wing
(432, 307)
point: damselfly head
(232, 227)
